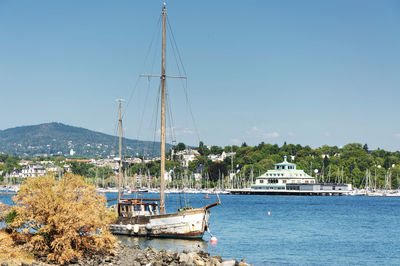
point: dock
(250, 191)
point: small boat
(206, 196)
(147, 217)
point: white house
(31, 170)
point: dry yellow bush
(11, 253)
(64, 219)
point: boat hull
(184, 224)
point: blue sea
(338, 230)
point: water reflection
(165, 243)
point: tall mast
(120, 150)
(162, 196)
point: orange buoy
(213, 240)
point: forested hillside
(57, 139)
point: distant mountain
(54, 139)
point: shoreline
(133, 255)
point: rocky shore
(127, 255)
(134, 256)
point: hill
(57, 139)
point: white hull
(185, 224)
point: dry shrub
(64, 219)
(11, 253)
(4, 209)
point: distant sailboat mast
(120, 149)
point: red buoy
(213, 240)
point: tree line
(347, 164)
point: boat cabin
(138, 207)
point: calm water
(299, 230)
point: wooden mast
(162, 196)
(120, 151)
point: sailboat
(147, 217)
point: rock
(185, 259)
(197, 260)
(140, 257)
(243, 264)
(144, 262)
(231, 262)
(214, 262)
(4, 264)
(217, 258)
(203, 254)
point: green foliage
(180, 146)
(203, 150)
(81, 168)
(10, 217)
(217, 170)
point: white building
(284, 173)
(31, 170)
(220, 157)
(52, 168)
(186, 156)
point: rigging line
(184, 83)
(173, 37)
(143, 109)
(144, 62)
(179, 64)
(149, 80)
(174, 47)
(169, 114)
(155, 117)
(171, 122)
(156, 51)
(191, 114)
(176, 52)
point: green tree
(217, 170)
(180, 146)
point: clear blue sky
(307, 72)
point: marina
(286, 179)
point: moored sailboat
(147, 217)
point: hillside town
(182, 158)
